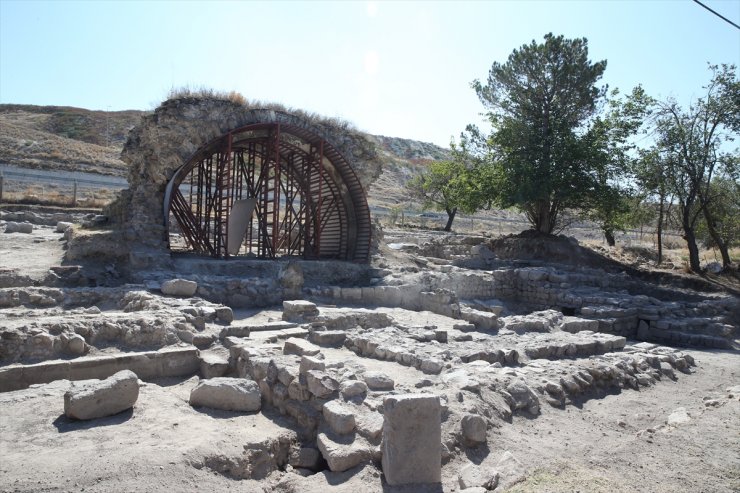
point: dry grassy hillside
(76, 139)
(64, 138)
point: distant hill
(77, 139)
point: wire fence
(21, 185)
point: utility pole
(107, 126)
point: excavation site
(240, 318)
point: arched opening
(268, 190)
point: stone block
(474, 476)
(62, 226)
(345, 453)
(333, 338)
(311, 363)
(473, 429)
(377, 380)
(299, 311)
(179, 287)
(412, 439)
(213, 365)
(228, 394)
(320, 384)
(352, 388)
(301, 347)
(339, 417)
(102, 398)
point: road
(87, 180)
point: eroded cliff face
(167, 139)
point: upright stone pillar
(412, 439)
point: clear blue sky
(394, 68)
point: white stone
(311, 363)
(213, 365)
(299, 311)
(14, 227)
(339, 417)
(228, 394)
(345, 454)
(102, 398)
(320, 384)
(301, 347)
(62, 226)
(76, 344)
(377, 380)
(474, 476)
(352, 388)
(412, 438)
(179, 287)
(678, 417)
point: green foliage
(725, 211)
(541, 104)
(692, 149)
(442, 186)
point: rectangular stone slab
(412, 439)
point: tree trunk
(726, 261)
(544, 223)
(690, 238)
(660, 230)
(450, 217)
(609, 235)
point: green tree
(650, 177)
(608, 147)
(724, 209)
(691, 143)
(445, 186)
(540, 103)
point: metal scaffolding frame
(309, 201)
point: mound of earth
(534, 247)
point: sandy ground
(619, 442)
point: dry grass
(50, 195)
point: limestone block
(301, 347)
(352, 388)
(377, 380)
(102, 398)
(228, 394)
(179, 287)
(473, 431)
(344, 453)
(523, 397)
(369, 425)
(202, 341)
(76, 344)
(432, 366)
(311, 363)
(412, 439)
(472, 476)
(299, 311)
(62, 226)
(14, 227)
(332, 338)
(339, 417)
(213, 365)
(320, 384)
(225, 315)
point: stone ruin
(404, 363)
